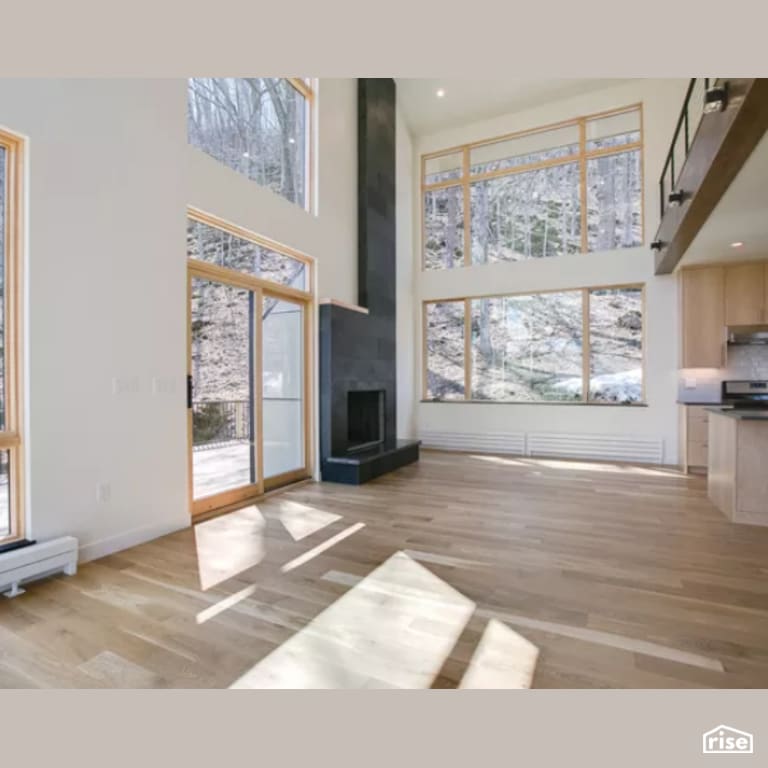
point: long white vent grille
(493, 442)
(647, 450)
(640, 449)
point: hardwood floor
(461, 570)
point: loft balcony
(721, 122)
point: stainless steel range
(745, 394)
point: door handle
(189, 391)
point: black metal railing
(685, 130)
(217, 422)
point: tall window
(584, 345)
(258, 126)
(570, 188)
(11, 512)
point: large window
(584, 345)
(258, 126)
(570, 188)
(11, 512)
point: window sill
(537, 402)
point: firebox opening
(365, 419)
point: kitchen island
(737, 482)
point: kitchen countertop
(744, 414)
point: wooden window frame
(11, 438)
(586, 346)
(582, 157)
(197, 269)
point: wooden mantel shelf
(345, 305)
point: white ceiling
(468, 100)
(740, 216)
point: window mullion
(467, 349)
(583, 183)
(585, 345)
(467, 209)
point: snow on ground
(622, 387)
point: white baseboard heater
(35, 561)
(631, 448)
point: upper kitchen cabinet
(703, 317)
(746, 286)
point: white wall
(662, 100)
(407, 267)
(110, 176)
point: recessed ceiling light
(440, 92)
(291, 140)
(737, 244)
(245, 154)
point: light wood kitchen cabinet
(703, 317)
(694, 437)
(746, 286)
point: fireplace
(365, 419)
(358, 349)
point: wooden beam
(721, 146)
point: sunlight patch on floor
(373, 636)
(229, 545)
(502, 659)
(580, 466)
(623, 642)
(320, 548)
(223, 605)
(301, 520)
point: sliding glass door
(248, 391)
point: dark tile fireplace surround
(358, 396)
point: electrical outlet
(103, 492)
(690, 383)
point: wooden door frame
(259, 287)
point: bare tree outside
(531, 348)
(537, 213)
(255, 125)
(445, 350)
(444, 227)
(206, 243)
(533, 345)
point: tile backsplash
(745, 362)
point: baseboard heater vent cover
(643, 450)
(490, 442)
(629, 448)
(35, 561)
